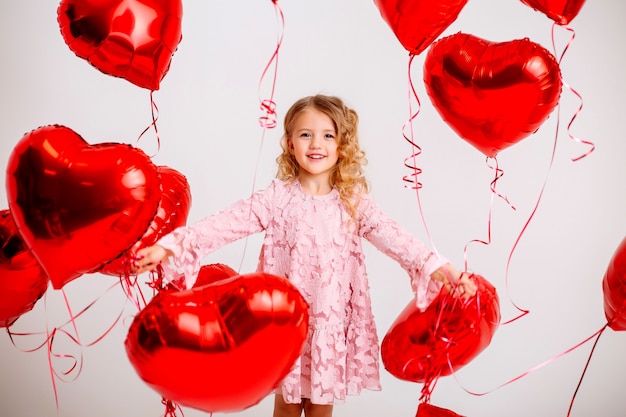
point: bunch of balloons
(76, 208)
(492, 94)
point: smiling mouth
(316, 156)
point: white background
(208, 111)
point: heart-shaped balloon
(421, 346)
(561, 11)
(22, 280)
(614, 289)
(131, 39)
(172, 213)
(78, 206)
(492, 94)
(221, 347)
(417, 23)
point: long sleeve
(411, 253)
(190, 244)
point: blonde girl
(314, 215)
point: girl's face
(313, 143)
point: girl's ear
(290, 145)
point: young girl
(314, 215)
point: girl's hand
(150, 257)
(456, 283)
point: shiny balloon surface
(221, 347)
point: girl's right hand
(150, 257)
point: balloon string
(530, 217)
(155, 116)
(268, 106)
(131, 287)
(69, 321)
(411, 181)
(432, 375)
(48, 343)
(411, 160)
(132, 290)
(171, 408)
(580, 381)
(578, 96)
(76, 362)
(268, 121)
(498, 174)
(534, 368)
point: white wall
(208, 110)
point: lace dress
(313, 242)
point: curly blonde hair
(347, 177)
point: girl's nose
(315, 142)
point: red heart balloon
(172, 213)
(221, 347)
(22, 280)
(561, 11)
(614, 289)
(417, 23)
(419, 345)
(79, 206)
(131, 39)
(492, 94)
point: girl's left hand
(456, 282)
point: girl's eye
(329, 136)
(305, 135)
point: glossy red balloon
(172, 213)
(131, 39)
(78, 206)
(221, 347)
(561, 11)
(492, 94)
(419, 345)
(614, 289)
(22, 280)
(417, 23)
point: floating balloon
(172, 213)
(417, 23)
(492, 94)
(561, 11)
(421, 346)
(22, 280)
(78, 206)
(614, 289)
(220, 347)
(134, 40)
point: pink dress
(313, 242)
